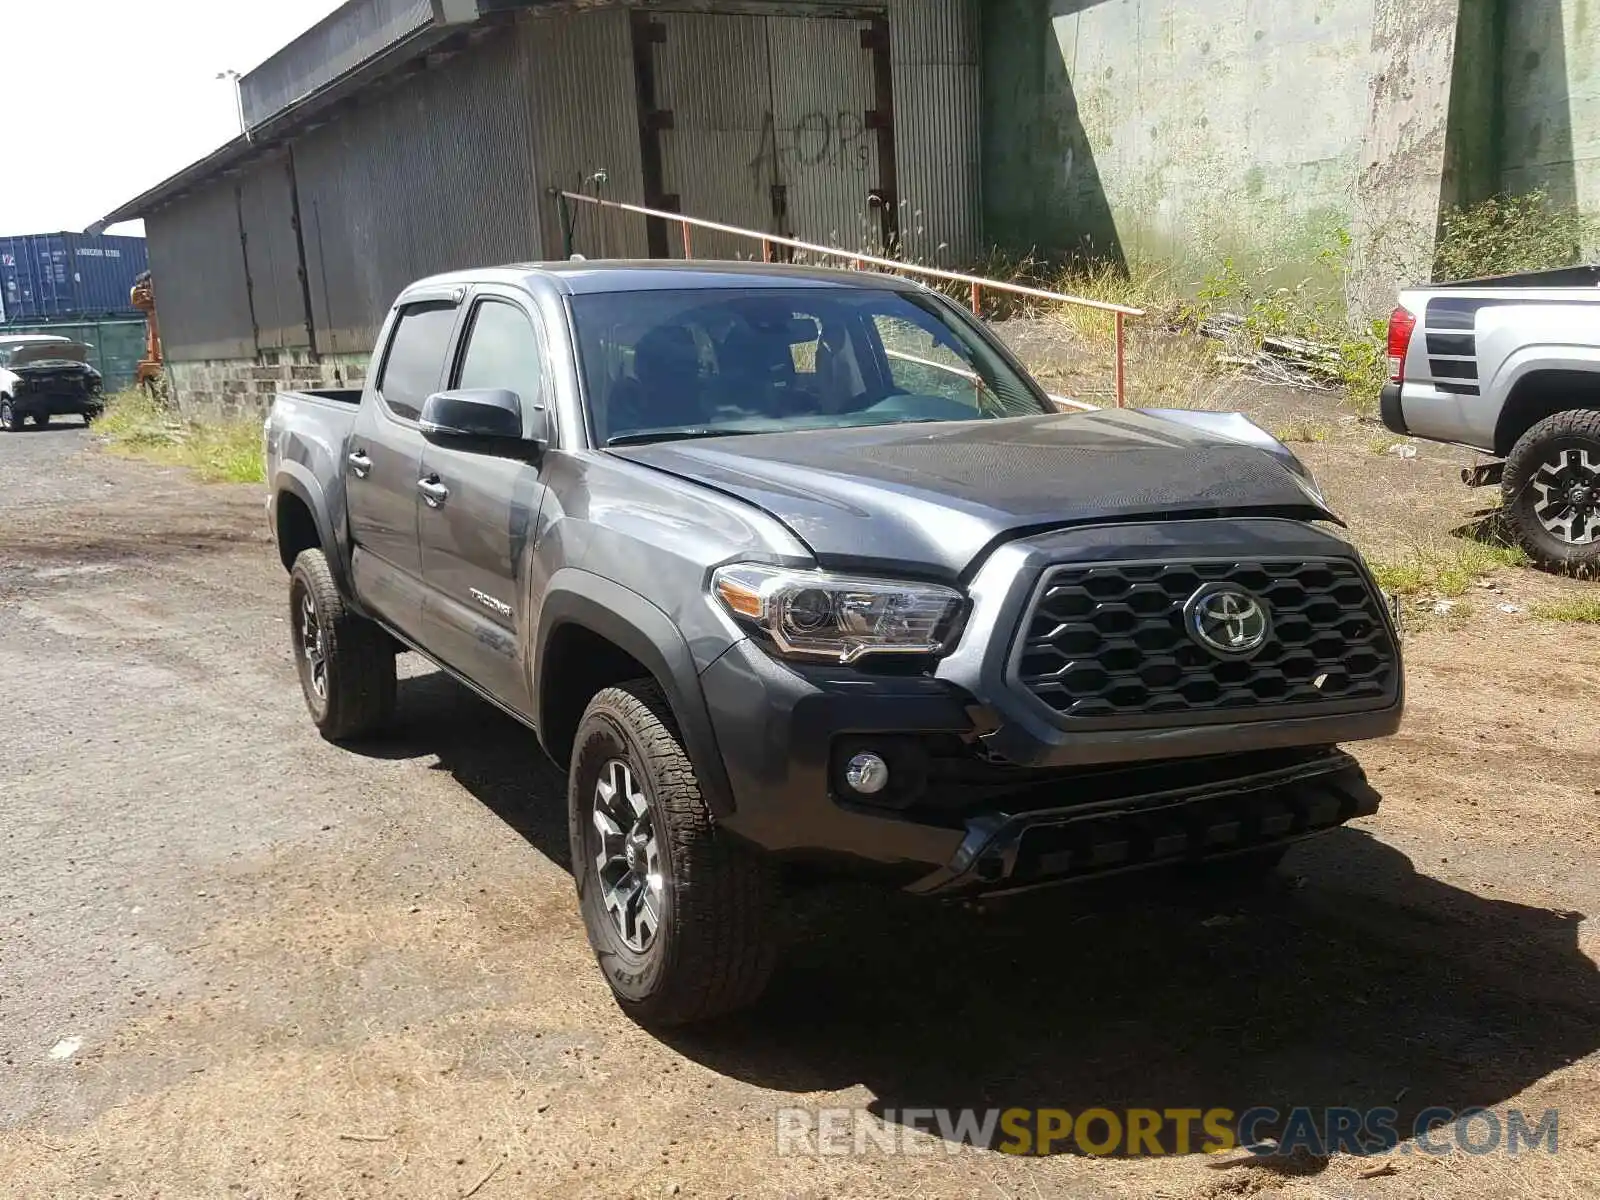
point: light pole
(238, 98)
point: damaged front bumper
(1012, 852)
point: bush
(222, 451)
(1507, 234)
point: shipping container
(115, 346)
(63, 276)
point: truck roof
(651, 275)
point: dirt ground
(237, 961)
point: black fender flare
(635, 625)
(294, 479)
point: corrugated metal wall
(199, 273)
(822, 90)
(934, 47)
(435, 175)
(712, 72)
(266, 207)
(450, 167)
(582, 107)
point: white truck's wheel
(1552, 490)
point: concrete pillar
(1403, 152)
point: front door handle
(360, 464)
(434, 492)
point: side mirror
(491, 417)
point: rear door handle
(434, 492)
(360, 464)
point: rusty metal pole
(977, 300)
(766, 251)
(688, 249)
(1122, 369)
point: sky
(133, 86)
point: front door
(383, 465)
(479, 522)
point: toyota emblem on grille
(1227, 620)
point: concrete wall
(1193, 130)
(1404, 148)
(243, 387)
(1175, 129)
(1550, 89)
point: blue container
(66, 276)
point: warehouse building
(402, 137)
(398, 138)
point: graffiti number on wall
(816, 140)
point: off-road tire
(359, 678)
(10, 418)
(1577, 429)
(713, 950)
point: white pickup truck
(1511, 367)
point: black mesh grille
(1110, 641)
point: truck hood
(49, 354)
(929, 499)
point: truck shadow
(1369, 984)
(1354, 980)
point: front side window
(754, 360)
(502, 352)
(414, 364)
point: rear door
(383, 465)
(476, 533)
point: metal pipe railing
(975, 283)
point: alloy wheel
(313, 645)
(628, 858)
(1566, 488)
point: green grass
(1383, 444)
(1578, 610)
(221, 451)
(1302, 431)
(1443, 569)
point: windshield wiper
(676, 435)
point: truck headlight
(812, 614)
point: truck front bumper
(954, 822)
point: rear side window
(415, 362)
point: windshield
(704, 362)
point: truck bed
(350, 396)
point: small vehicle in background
(1511, 367)
(43, 376)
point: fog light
(867, 774)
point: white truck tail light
(1402, 324)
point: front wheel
(346, 666)
(1552, 490)
(677, 915)
(10, 418)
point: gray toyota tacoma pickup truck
(798, 570)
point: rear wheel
(10, 418)
(1552, 490)
(345, 662)
(677, 914)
